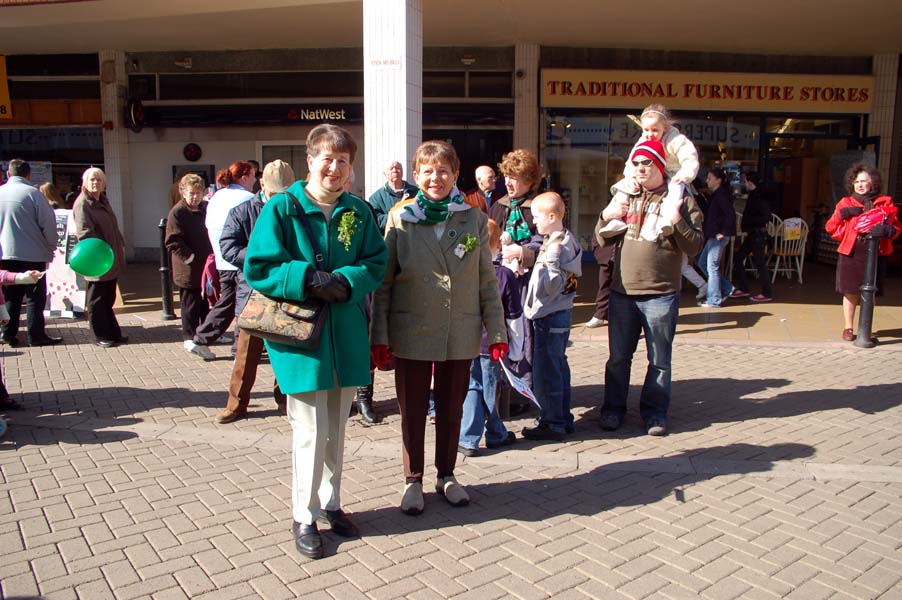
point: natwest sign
(713, 91)
(317, 114)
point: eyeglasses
(642, 163)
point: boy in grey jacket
(549, 308)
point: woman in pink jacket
(863, 212)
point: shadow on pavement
(50, 434)
(715, 320)
(699, 403)
(618, 484)
(119, 402)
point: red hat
(654, 150)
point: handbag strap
(302, 214)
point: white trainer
(595, 322)
(201, 351)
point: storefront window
(586, 154)
(63, 152)
(825, 126)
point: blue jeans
(719, 287)
(629, 316)
(550, 369)
(480, 412)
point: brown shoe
(227, 416)
(848, 335)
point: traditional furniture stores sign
(6, 107)
(582, 88)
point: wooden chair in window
(789, 248)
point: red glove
(382, 357)
(498, 351)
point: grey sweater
(27, 223)
(552, 285)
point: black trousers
(99, 303)
(753, 244)
(223, 312)
(35, 295)
(194, 310)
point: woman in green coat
(320, 383)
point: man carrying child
(645, 295)
(549, 307)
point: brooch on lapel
(347, 226)
(467, 243)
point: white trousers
(318, 437)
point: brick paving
(782, 478)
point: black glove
(882, 230)
(850, 211)
(328, 287)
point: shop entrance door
(474, 147)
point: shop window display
(585, 154)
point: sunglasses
(642, 163)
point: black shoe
(11, 341)
(45, 341)
(467, 451)
(9, 404)
(105, 343)
(365, 406)
(307, 540)
(610, 422)
(341, 523)
(510, 439)
(543, 432)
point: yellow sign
(6, 106)
(584, 88)
(792, 233)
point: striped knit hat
(652, 149)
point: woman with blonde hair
(53, 196)
(94, 218)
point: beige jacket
(433, 304)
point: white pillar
(880, 123)
(113, 89)
(392, 85)
(526, 97)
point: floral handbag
(290, 322)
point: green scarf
(435, 211)
(516, 225)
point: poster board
(66, 289)
(41, 172)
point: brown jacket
(476, 199)
(186, 238)
(434, 303)
(94, 218)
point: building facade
(150, 110)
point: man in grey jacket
(28, 238)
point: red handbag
(867, 220)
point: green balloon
(91, 257)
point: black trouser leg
(35, 295)
(220, 316)
(101, 296)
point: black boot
(364, 403)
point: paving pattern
(782, 478)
